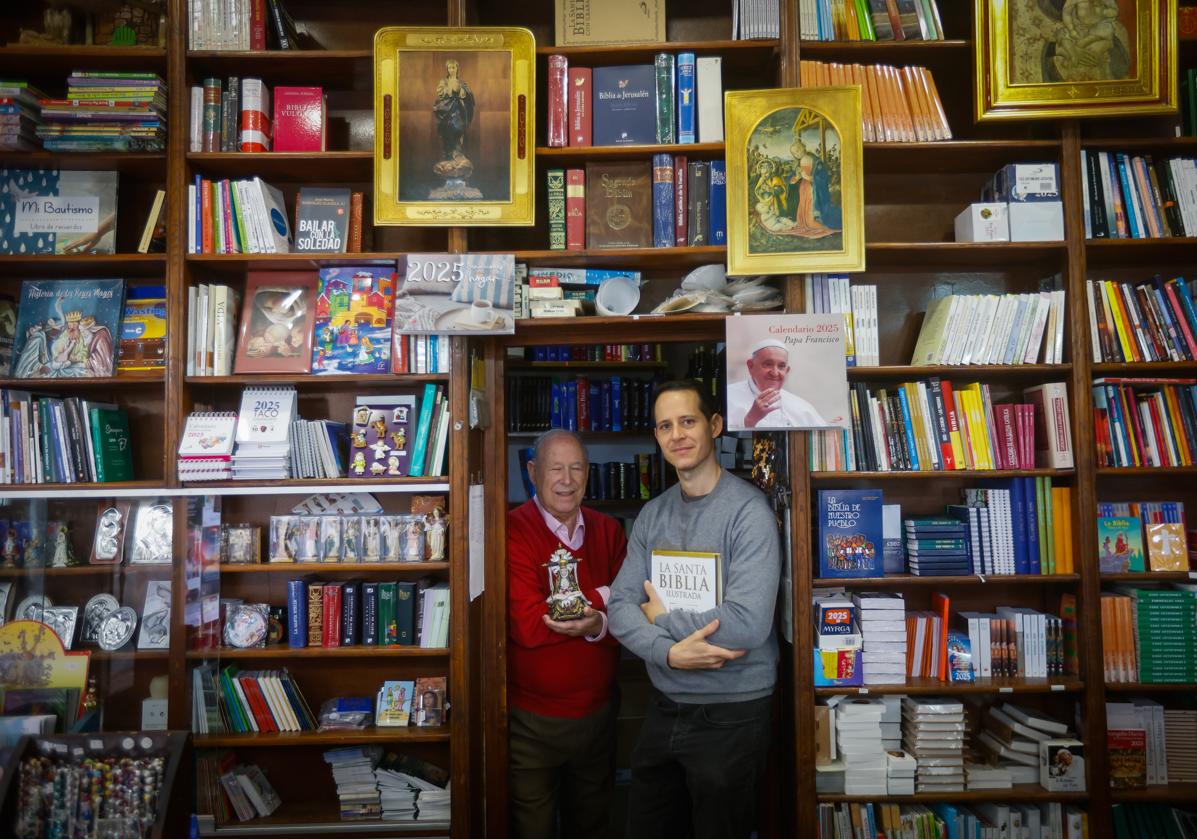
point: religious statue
(566, 601)
(63, 555)
(11, 549)
(414, 546)
(434, 530)
(454, 111)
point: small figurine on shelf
(566, 601)
(392, 538)
(434, 528)
(371, 539)
(413, 550)
(11, 550)
(91, 699)
(60, 536)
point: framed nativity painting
(1074, 58)
(794, 180)
(454, 123)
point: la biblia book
(691, 580)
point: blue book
(1127, 185)
(47, 327)
(420, 448)
(1186, 301)
(717, 212)
(624, 106)
(686, 106)
(850, 533)
(370, 614)
(540, 353)
(34, 203)
(616, 404)
(663, 194)
(297, 613)
(571, 405)
(606, 405)
(578, 276)
(1031, 525)
(350, 625)
(913, 449)
(525, 457)
(555, 415)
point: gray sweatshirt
(733, 520)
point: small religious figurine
(413, 550)
(454, 111)
(434, 529)
(392, 527)
(371, 539)
(566, 601)
(91, 698)
(63, 556)
(11, 549)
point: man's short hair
(705, 403)
(552, 434)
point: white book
(989, 306)
(1094, 339)
(1058, 337)
(201, 335)
(974, 312)
(191, 248)
(1001, 320)
(220, 322)
(958, 316)
(1017, 328)
(687, 580)
(708, 78)
(1035, 344)
(196, 126)
(211, 331)
(273, 208)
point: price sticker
(1057, 687)
(1006, 690)
(863, 691)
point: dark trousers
(566, 764)
(697, 770)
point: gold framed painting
(1074, 58)
(454, 126)
(794, 181)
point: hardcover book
(624, 110)
(1119, 544)
(618, 205)
(352, 330)
(53, 211)
(698, 190)
(143, 330)
(394, 703)
(587, 22)
(666, 84)
(558, 100)
(663, 221)
(299, 119)
(111, 444)
(276, 322)
(580, 94)
(717, 205)
(65, 328)
(687, 579)
(555, 195)
(575, 209)
(322, 220)
(850, 533)
(686, 99)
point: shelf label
(863, 691)
(1005, 690)
(1057, 687)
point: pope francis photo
(760, 402)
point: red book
(575, 209)
(332, 614)
(583, 404)
(680, 202)
(299, 119)
(257, 24)
(941, 605)
(1004, 417)
(257, 704)
(579, 106)
(1179, 316)
(558, 70)
(256, 131)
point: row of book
(1130, 196)
(240, 25)
(20, 115)
(106, 112)
(612, 106)
(755, 19)
(383, 614)
(1150, 635)
(1052, 820)
(1132, 821)
(49, 439)
(1148, 321)
(1145, 421)
(252, 701)
(869, 20)
(831, 293)
(898, 104)
(961, 329)
(637, 480)
(590, 352)
(244, 115)
(1150, 745)
(228, 789)
(615, 403)
(1134, 536)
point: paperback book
(353, 320)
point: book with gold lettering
(619, 202)
(690, 580)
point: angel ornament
(566, 601)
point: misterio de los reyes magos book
(66, 329)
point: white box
(983, 223)
(1036, 221)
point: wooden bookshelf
(574, 154)
(913, 580)
(284, 652)
(987, 372)
(324, 739)
(1181, 794)
(934, 687)
(1019, 792)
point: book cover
(370, 613)
(255, 127)
(686, 99)
(580, 93)
(394, 703)
(388, 627)
(352, 326)
(590, 22)
(623, 110)
(558, 100)
(322, 220)
(405, 612)
(53, 211)
(276, 322)
(65, 329)
(619, 205)
(316, 614)
(1128, 757)
(666, 86)
(850, 533)
(1166, 548)
(1119, 544)
(8, 333)
(299, 119)
(112, 445)
(555, 196)
(663, 188)
(717, 204)
(698, 190)
(681, 202)
(687, 579)
(709, 90)
(575, 209)
(143, 330)
(428, 705)
(297, 613)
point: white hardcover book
(687, 580)
(274, 215)
(220, 321)
(210, 338)
(1034, 345)
(196, 127)
(191, 326)
(708, 79)
(201, 335)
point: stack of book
(869, 20)
(1008, 740)
(263, 438)
(900, 767)
(1134, 536)
(1138, 721)
(387, 614)
(546, 292)
(828, 293)
(357, 786)
(1015, 642)
(316, 448)
(882, 621)
(858, 743)
(206, 447)
(106, 112)
(1180, 734)
(927, 634)
(1018, 526)
(933, 731)
(1130, 196)
(1149, 635)
(240, 25)
(978, 776)
(591, 352)
(237, 116)
(961, 329)
(20, 116)
(1039, 821)
(937, 547)
(1132, 821)
(412, 790)
(1149, 321)
(48, 439)
(899, 104)
(1145, 421)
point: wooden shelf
(336, 69)
(613, 366)
(580, 154)
(282, 651)
(955, 474)
(130, 380)
(319, 818)
(333, 166)
(61, 61)
(932, 687)
(87, 570)
(1019, 792)
(632, 259)
(644, 329)
(904, 580)
(965, 254)
(732, 52)
(1158, 793)
(945, 156)
(1151, 687)
(324, 568)
(239, 263)
(397, 734)
(1137, 252)
(127, 655)
(882, 51)
(1144, 368)
(305, 484)
(115, 487)
(87, 264)
(1114, 471)
(1164, 144)
(140, 165)
(303, 381)
(965, 371)
(592, 435)
(1150, 576)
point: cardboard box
(1036, 221)
(983, 223)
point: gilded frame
(781, 213)
(1030, 66)
(462, 167)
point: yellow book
(1066, 514)
(966, 434)
(928, 349)
(979, 427)
(1126, 338)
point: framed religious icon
(1073, 58)
(455, 126)
(794, 181)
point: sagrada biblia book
(690, 580)
(619, 205)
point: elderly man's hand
(590, 624)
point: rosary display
(94, 797)
(351, 538)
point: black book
(369, 622)
(230, 107)
(1163, 174)
(350, 614)
(283, 26)
(1098, 225)
(697, 178)
(405, 610)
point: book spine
(686, 104)
(315, 614)
(558, 100)
(555, 191)
(616, 403)
(257, 24)
(666, 122)
(255, 122)
(355, 222)
(699, 203)
(575, 209)
(416, 469)
(405, 613)
(680, 200)
(297, 613)
(663, 221)
(211, 133)
(332, 616)
(717, 209)
(230, 115)
(580, 87)
(370, 614)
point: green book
(666, 123)
(112, 445)
(388, 626)
(555, 190)
(1045, 491)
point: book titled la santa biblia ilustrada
(690, 580)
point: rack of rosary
(411, 537)
(98, 786)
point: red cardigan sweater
(548, 673)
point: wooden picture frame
(1038, 59)
(795, 193)
(455, 126)
(277, 316)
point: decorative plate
(30, 609)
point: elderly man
(561, 674)
(760, 402)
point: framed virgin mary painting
(794, 180)
(1074, 58)
(454, 126)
